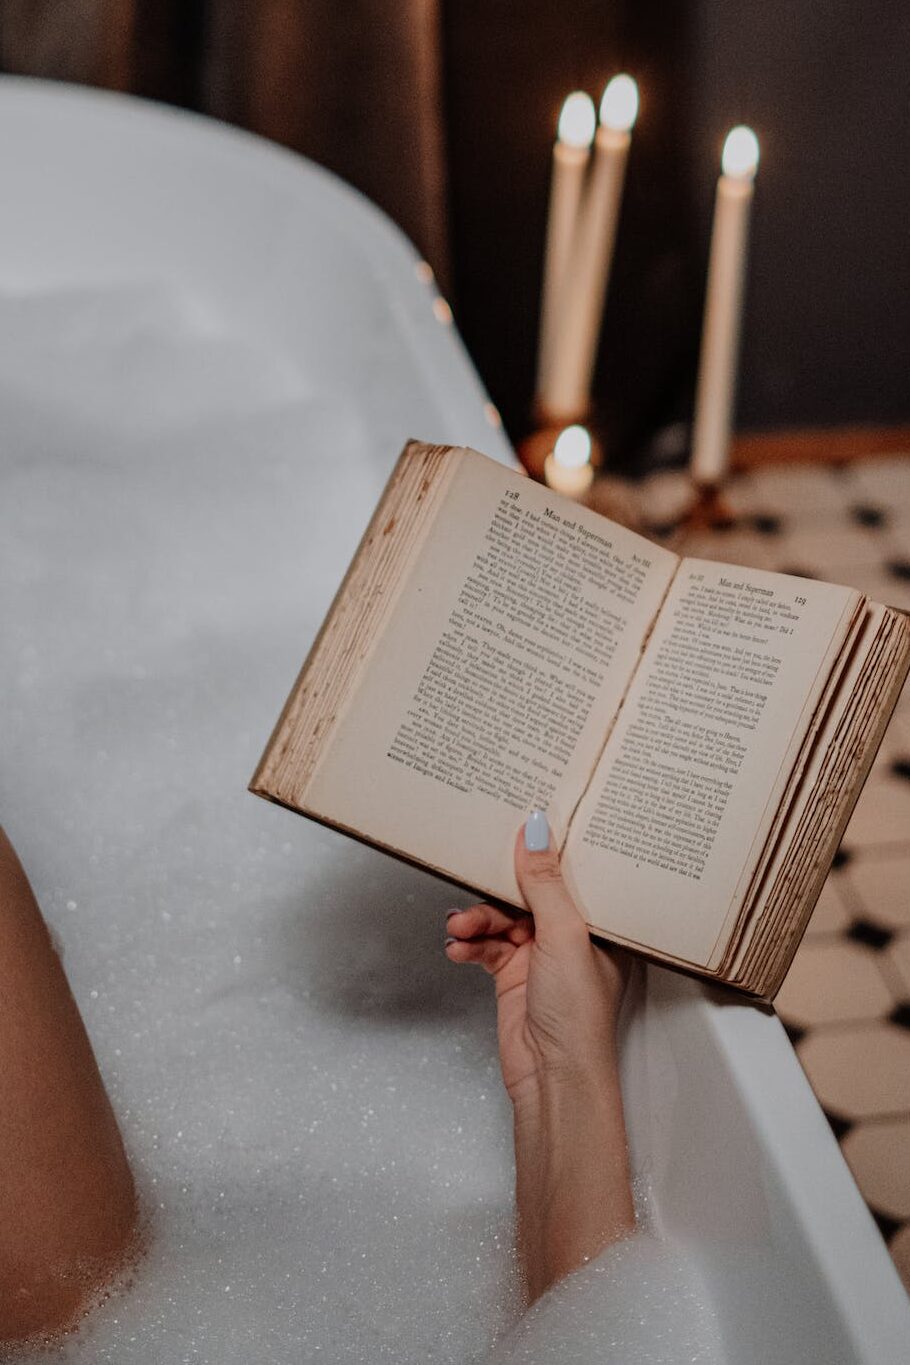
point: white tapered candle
(568, 387)
(716, 389)
(571, 153)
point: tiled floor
(846, 1000)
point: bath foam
(639, 1303)
(308, 1091)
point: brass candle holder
(605, 493)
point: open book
(697, 733)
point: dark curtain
(68, 40)
(355, 86)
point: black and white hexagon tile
(846, 1000)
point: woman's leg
(68, 1211)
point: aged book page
(837, 769)
(684, 796)
(496, 678)
(804, 800)
(397, 529)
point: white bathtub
(210, 354)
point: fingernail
(451, 913)
(448, 941)
(537, 832)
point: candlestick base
(542, 416)
(710, 510)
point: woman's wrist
(543, 1096)
(560, 1121)
(573, 1188)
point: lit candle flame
(572, 448)
(577, 120)
(619, 104)
(740, 154)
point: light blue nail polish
(537, 832)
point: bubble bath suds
(640, 1303)
(309, 1091)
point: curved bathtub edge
(862, 1281)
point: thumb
(556, 916)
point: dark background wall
(444, 111)
(827, 87)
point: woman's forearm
(573, 1186)
(557, 1003)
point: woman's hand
(558, 997)
(557, 993)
